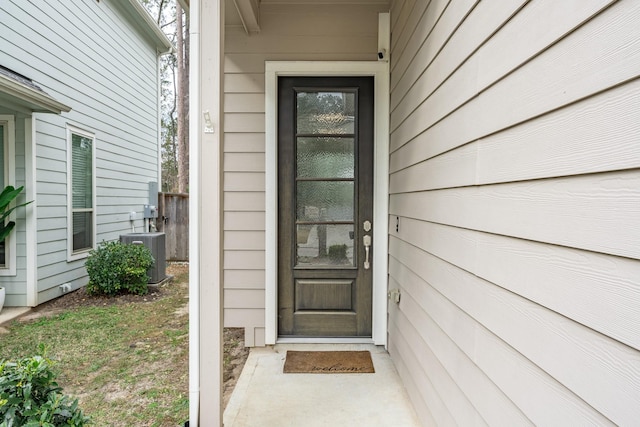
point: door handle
(366, 239)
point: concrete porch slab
(265, 397)
(11, 313)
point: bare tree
(174, 94)
(182, 95)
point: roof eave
(163, 44)
(34, 100)
(186, 4)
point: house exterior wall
(93, 57)
(515, 186)
(287, 33)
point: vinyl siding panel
(91, 57)
(288, 32)
(514, 176)
(244, 279)
(238, 220)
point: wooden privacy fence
(173, 220)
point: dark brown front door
(325, 205)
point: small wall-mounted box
(133, 216)
(150, 211)
(394, 295)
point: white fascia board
(186, 5)
(34, 100)
(163, 44)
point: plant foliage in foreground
(30, 395)
(6, 197)
(125, 359)
(117, 267)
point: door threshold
(324, 340)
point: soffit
(246, 13)
(328, 2)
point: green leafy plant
(30, 395)
(117, 267)
(7, 196)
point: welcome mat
(328, 362)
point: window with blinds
(82, 184)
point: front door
(325, 205)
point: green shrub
(30, 396)
(117, 267)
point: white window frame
(9, 179)
(71, 255)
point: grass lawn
(126, 362)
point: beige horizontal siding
(239, 220)
(244, 162)
(244, 279)
(244, 260)
(244, 142)
(555, 211)
(244, 240)
(243, 298)
(244, 181)
(244, 103)
(514, 177)
(249, 201)
(567, 280)
(595, 135)
(527, 93)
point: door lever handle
(366, 240)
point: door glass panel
(328, 245)
(325, 157)
(325, 112)
(324, 201)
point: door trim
(380, 72)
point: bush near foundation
(116, 268)
(30, 396)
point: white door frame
(380, 72)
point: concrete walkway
(11, 313)
(265, 397)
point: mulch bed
(80, 298)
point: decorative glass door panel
(325, 179)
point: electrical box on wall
(150, 211)
(153, 193)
